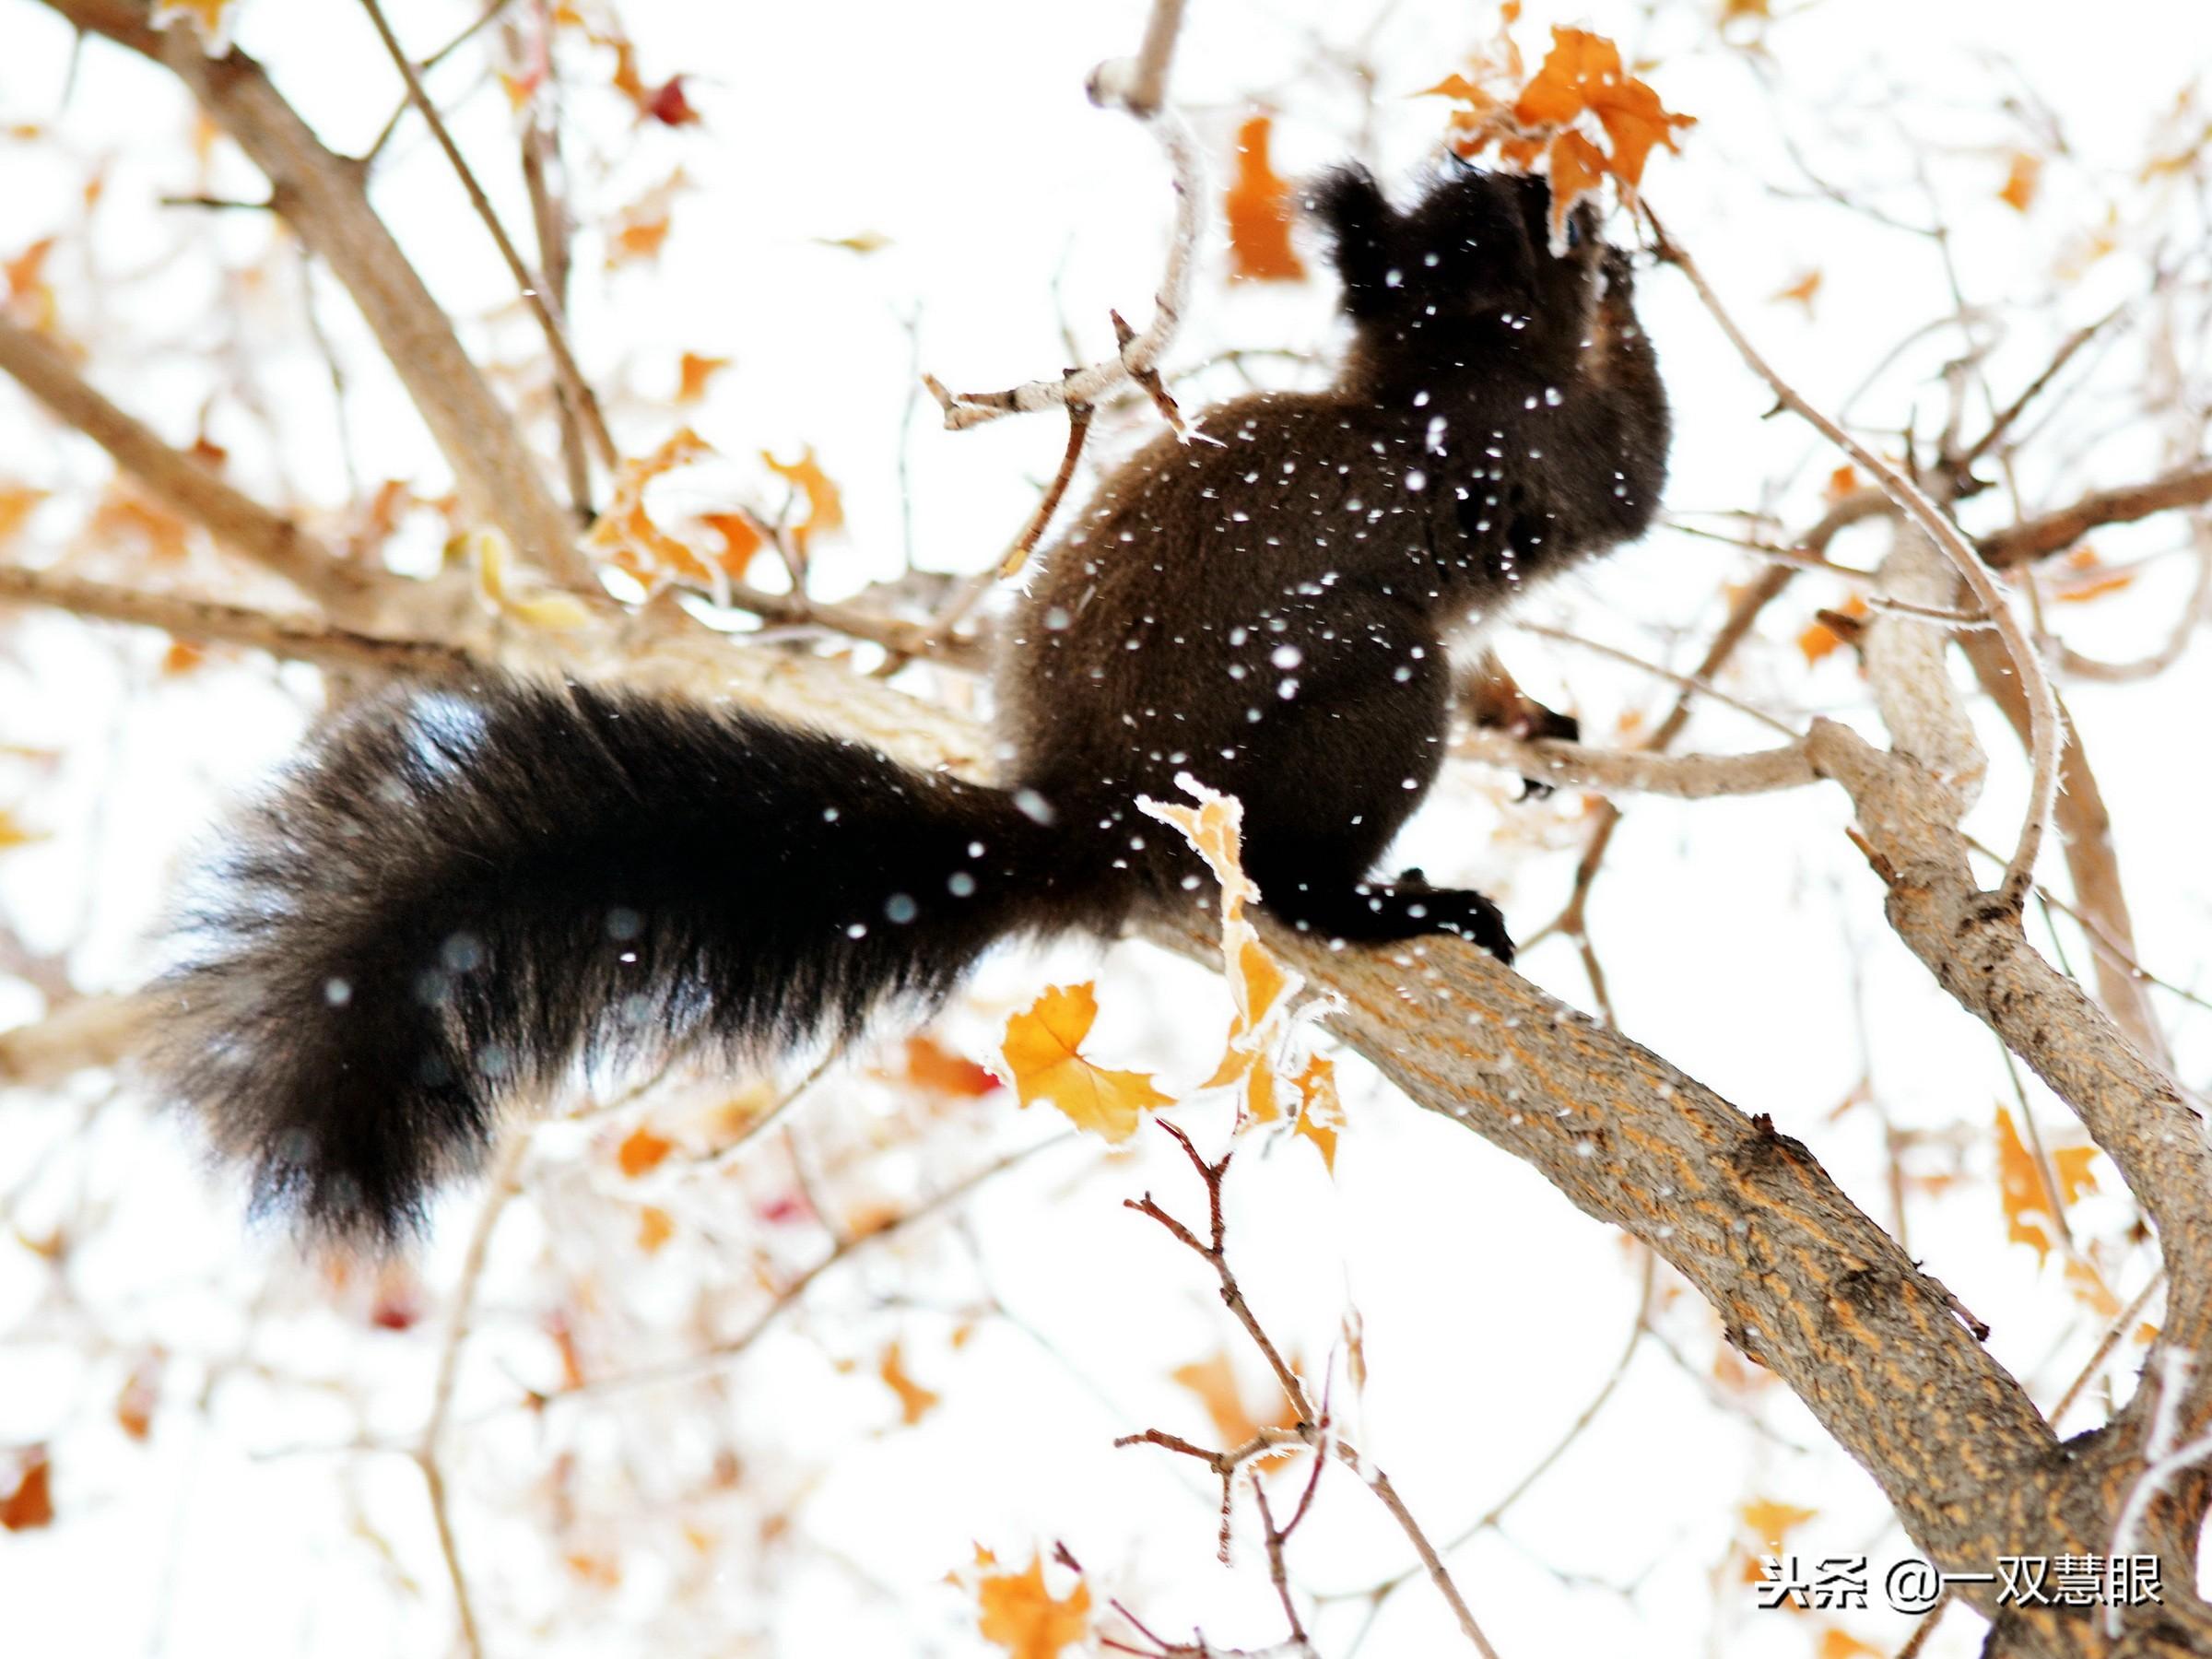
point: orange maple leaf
(1043, 1048)
(1258, 207)
(1583, 71)
(1020, 1615)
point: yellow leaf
(2020, 1191)
(1019, 1614)
(655, 1228)
(1319, 1108)
(1260, 1104)
(1042, 1053)
(862, 241)
(1770, 1522)
(13, 834)
(556, 611)
(2071, 1164)
(914, 1401)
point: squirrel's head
(1469, 267)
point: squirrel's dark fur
(460, 894)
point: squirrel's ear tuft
(1363, 226)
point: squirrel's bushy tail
(459, 896)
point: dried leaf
(1581, 71)
(655, 1228)
(933, 1067)
(141, 1392)
(1770, 1522)
(1319, 1108)
(13, 834)
(1257, 204)
(1042, 1054)
(914, 1401)
(1801, 290)
(2026, 1204)
(1841, 1644)
(625, 532)
(2023, 175)
(2086, 583)
(825, 506)
(17, 502)
(1020, 1615)
(29, 1503)
(641, 1151)
(692, 373)
(1819, 640)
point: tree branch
(323, 197)
(297, 638)
(2056, 531)
(234, 519)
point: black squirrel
(458, 894)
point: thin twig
(533, 288)
(1980, 580)
(1139, 87)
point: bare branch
(575, 389)
(1139, 89)
(295, 639)
(1639, 772)
(2189, 486)
(322, 196)
(233, 518)
(2019, 875)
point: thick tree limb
(2085, 830)
(324, 196)
(1977, 951)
